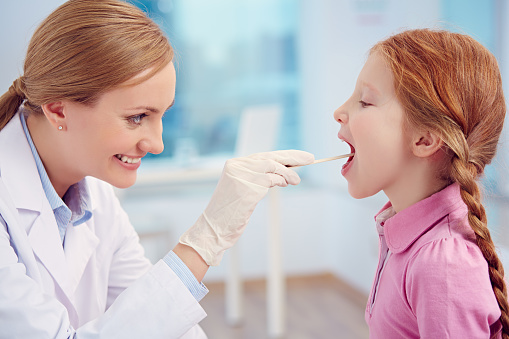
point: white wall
(18, 20)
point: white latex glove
(244, 182)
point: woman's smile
(128, 160)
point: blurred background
(299, 58)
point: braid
(465, 174)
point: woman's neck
(47, 141)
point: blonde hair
(450, 84)
(83, 48)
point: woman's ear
(55, 113)
(425, 144)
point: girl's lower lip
(128, 166)
(346, 167)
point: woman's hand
(244, 182)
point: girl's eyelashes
(364, 104)
(136, 119)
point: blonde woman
(97, 78)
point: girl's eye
(136, 119)
(364, 104)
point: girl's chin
(359, 193)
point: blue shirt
(77, 211)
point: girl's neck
(421, 182)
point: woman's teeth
(128, 160)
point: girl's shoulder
(450, 243)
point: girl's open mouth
(352, 150)
(349, 162)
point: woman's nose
(341, 115)
(152, 142)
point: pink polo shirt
(432, 280)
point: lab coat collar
(405, 227)
(19, 172)
(20, 176)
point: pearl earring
(60, 128)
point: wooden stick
(327, 159)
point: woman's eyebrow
(150, 108)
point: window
(229, 55)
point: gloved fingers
(286, 157)
(287, 174)
(257, 172)
(276, 180)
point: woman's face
(108, 140)
(372, 123)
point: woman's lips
(128, 160)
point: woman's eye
(136, 119)
(364, 104)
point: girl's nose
(152, 142)
(340, 115)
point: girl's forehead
(375, 76)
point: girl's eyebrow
(371, 87)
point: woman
(98, 77)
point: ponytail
(10, 101)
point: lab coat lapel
(80, 244)
(47, 246)
(22, 181)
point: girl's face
(108, 140)
(372, 124)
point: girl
(98, 77)
(424, 120)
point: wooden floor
(318, 307)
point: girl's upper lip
(341, 137)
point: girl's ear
(425, 144)
(55, 113)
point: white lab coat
(99, 285)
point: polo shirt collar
(403, 228)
